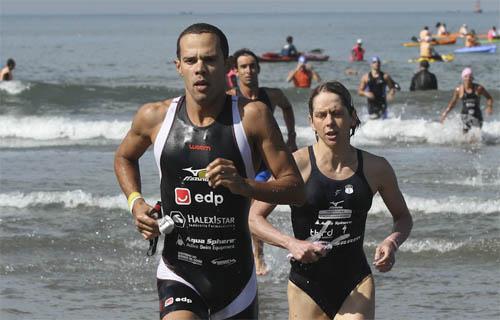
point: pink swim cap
(466, 72)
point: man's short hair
(199, 28)
(11, 63)
(245, 52)
(424, 64)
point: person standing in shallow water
(470, 93)
(330, 276)
(205, 146)
(6, 73)
(247, 70)
(373, 86)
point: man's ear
(178, 66)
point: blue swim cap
(375, 59)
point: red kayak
(276, 57)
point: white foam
(75, 198)
(427, 245)
(13, 87)
(416, 131)
(56, 128)
(456, 205)
(69, 199)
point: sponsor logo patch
(178, 218)
(199, 147)
(196, 174)
(182, 196)
(169, 301)
(223, 261)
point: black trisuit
(207, 265)
(343, 204)
(471, 112)
(377, 108)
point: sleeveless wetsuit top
(210, 246)
(342, 205)
(302, 79)
(471, 104)
(377, 86)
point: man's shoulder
(153, 112)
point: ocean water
(68, 246)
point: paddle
(415, 39)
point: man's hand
(146, 225)
(222, 172)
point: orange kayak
(436, 42)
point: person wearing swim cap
(330, 275)
(470, 93)
(424, 79)
(248, 69)
(358, 52)
(207, 146)
(303, 74)
(6, 72)
(373, 86)
(463, 31)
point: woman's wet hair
(338, 88)
(199, 28)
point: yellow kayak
(446, 58)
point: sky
(8, 7)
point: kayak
(446, 58)
(276, 57)
(436, 42)
(486, 41)
(492, 48)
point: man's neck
(204, 113)
(250, 92)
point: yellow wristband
(134, 195)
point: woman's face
(331, 119)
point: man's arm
(303, 251)
(361, 88)
(292, 73)
(279, 99)
(315, 75)
(434, 82)
(391, 86)
(413, 81)
(451, 104)
(388, 188)
(126, 163)
(265, 137)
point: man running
(248, 69)
(373, 86)
(470, 94)
(207, 146)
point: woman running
(330, 276)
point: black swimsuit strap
(312, 159)
(314, 166)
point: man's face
(247, 69)
(375, 65)
(202, 66)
